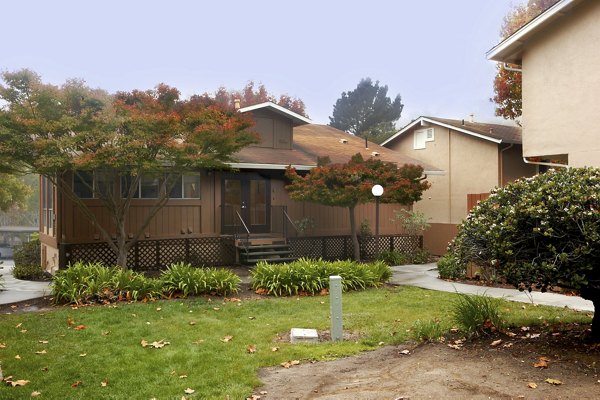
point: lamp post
(377, 191)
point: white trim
(509, 46)
(454, 128)
(276, 108)
(441, 172)
(299, 167)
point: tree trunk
(354, 234)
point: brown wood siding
(438, 236)
(474, 198)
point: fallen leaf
(45, 369)
(19, 382)
(189, 391)
(227, 339)
(199, 341)
(104, 382)
(251, 317)
(43, 341)
(144, 343)
(233, 300)
(41, 352)
(23, 330)
(253, 397)
(274, 349)
(83, 355)
(251, 348)
(192, 322)
(19, 325)
(380, 343)
(158, 309)
(80, 327)
(511, 334)
(404, 352)
(75, 384)
(13, 307)
(542, 363)
(70, 321)
(532, 385)
(496, 343)
(17, 357)
(2, 345)
(553, 381)
(216, 308)
(105, 333)
(182, 376)
(524, 328)
(35, 393)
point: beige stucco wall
(470, 165)
(561, 84)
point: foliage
(250, 96)
(428, 330)
(28, 253)
(451, 267)
(310, 277)
(184, 279)
(28, 272)
(539, 232)
(84, 283)
(508, 84)
(367, 111)
(412, 222)
(304, 225)
(48, 130)
(26, 212)
(477, 314)
(419, 256)
(349, 184)
(365, 228)
(13, 192)
(393, 257)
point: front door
(248, 196)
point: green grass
(214, 369)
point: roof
(496, 133)
(312, 141)
(510, 49)
(296, 118)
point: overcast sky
(431, 52)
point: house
(559, 57)
(210, 212)
(474, 157)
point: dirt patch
(473, 370)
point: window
(89, 184)
(47, 192)
(149, 187)
(422, 136)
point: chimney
(236, 104)
(471, 118)
(463, 122)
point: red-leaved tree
(350, 184)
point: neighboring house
(208, 207)
(474, 157)
(559, 55)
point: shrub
(392, 257)
(183, 279)
(411, 222)
(540, 232)
(93, 282)
(27, 253)
(477, 314)
(308, 276)
(28, 272)
(419, 256)
(451, 267)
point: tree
(540, 232)
(13, 193)
(250, 95)
(367, 111)
(507, 83)
(348, 185)
(55, 131)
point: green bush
(82, 283)
(540, 232)
(308, 276)
(27, 253)
(392, 257)
(183, 279)
(451, 267)
(419, 257)
(28, 272)
(477, 314)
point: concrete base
(299, 335)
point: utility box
(299, 335)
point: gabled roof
(296, 118)
(496, 133)
(511, 48)
(312, 141)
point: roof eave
(297, 118)
(510, 49)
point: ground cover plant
(311, 276)
(211, 346)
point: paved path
(426, 276)
(15, 290)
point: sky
(431, 52)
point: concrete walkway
(426, 276)
(15, 290)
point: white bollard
(335, 304)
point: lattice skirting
(148, 255)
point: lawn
(96, 352)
